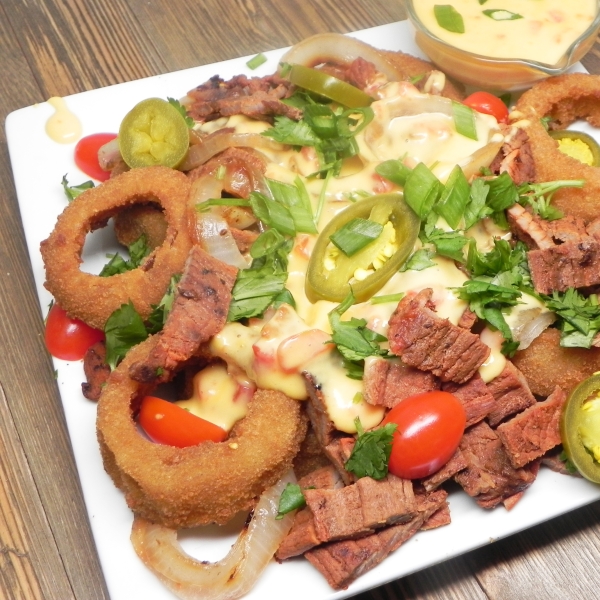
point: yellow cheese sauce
(218, 397)
(544, 33)
(63, 126)
(273, 352)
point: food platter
(41, 199)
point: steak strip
(199, 312)
(429, 343)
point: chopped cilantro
(263, 283)
(138, 250)
(124, 329)
(181, 109)
(291, 499)
(539, 196)
(371, 453)
(579, 317)
(353, 339)
(72, 191)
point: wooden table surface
(60, 47)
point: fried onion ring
(198, 485)
(563, 99)
(92, 298)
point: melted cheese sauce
(63, 126)
(218, 397)
(544, 34)
(274, 351)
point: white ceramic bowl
(500, 74)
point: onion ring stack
(92, 298)
(208, 483)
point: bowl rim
(555, 69)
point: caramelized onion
(339, 49)
(109, 155)
(213, 234)
(222, 139)
(229, 578)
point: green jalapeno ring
(573, 419)
(331, 87)
(333, 285)
(153, 133)
(578, 136)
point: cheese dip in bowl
(504, 44)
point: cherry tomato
(86, 154)
(66, 338)
(488, 104)
(430, 427)
(167, 423)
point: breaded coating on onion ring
(208, 483)
(563, 99)
(92, 298)
(545, 364)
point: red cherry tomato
(488, 104)
(430, 427)
(167, 423)
(68, 338)
(86, 154)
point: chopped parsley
(138, 250)
(579, 317)
(124, 329)
(181, 109)
(329, 131)
(353, 339)
(291, 499)
(371, 453)
(72, 191)
(263, 283)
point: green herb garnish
(72, 191)
(371, 453)
(449, 18)
(355, 235)
(256, 61)
(291, 499)
(499, 14)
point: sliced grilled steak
(199, 312)
(344, 561)
(475, 397)
(428, 343)
(511, 393)
(387, 382)
(302, 536)
(96, 371)
(489, 477)
(515, 158)
(456, 464)
(358, 509)
(534, 431)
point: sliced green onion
(499, 14)
(272, 213)
(256, 61)
(454, 199)
(464, 120)
(295, 197)
(394, 170)
(355, 235)
(422, 190)
(203, 206)
(384, 299)
(449, 18)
